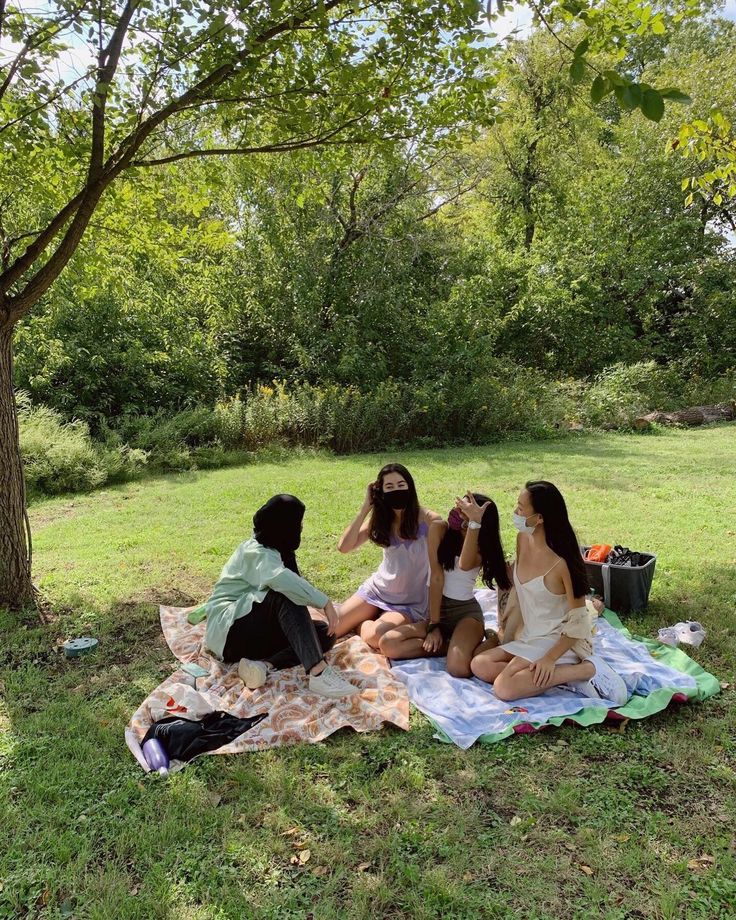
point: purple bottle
(156, 756)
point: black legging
(278, 631)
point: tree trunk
(16, 589)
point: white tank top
(542, 612)
(459, 584)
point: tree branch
(82, 206)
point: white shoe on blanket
(252, 673)
(605, 684)
(329, 683)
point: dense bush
(61, 456)
(514, 403)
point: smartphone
(194, 669)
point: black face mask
(397, 500)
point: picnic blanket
(466, 711)
(294, 714)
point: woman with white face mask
(554, 646)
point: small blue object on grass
(75, 648)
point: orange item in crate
(598, 553)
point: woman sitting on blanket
(398, 592)
(554, 645)
(257, 611)
(458, 550)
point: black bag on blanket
(184, 739)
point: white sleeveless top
(542, 611)
(543, 615)
(459, 585)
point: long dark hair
(547, 500)
(493, 561)
(382, 516)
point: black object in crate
(624, 588)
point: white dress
(543, 614)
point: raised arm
(470, 554)
(358, 530)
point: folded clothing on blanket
(467, 710)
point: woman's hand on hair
(470, 507)
(332, 618)
(370, 494)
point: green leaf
(658, 27)
(629, 96)
(577, 70)
(582, 47)
(675, 95)
(615, 79)
(652, 105)
(689, 200)
(600, 88)
(684, 184)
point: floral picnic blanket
(294, 714)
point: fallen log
(695, 415)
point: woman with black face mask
(257, 613)
(398, 592)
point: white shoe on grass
(690, 633)
(252, 673)
(329, 683)
(605, 684)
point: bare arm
(437, 573)
(469, 555)
(358, 531)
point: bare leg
(488, 664)
(463, 642)
(404, 642)
(490, 642)
(517, 681)
(372, 630)
(352, 613)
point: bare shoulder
(437, 531)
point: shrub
(60, 456)
(622, 392)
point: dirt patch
(42, 517)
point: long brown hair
(382, 516)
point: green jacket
(245, 580)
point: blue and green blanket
(467, 711)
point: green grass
(398, 825)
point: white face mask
(521, 525)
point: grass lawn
(569, 823)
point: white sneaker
(252, 673)
(668, 636)
(689, 633)
(605, 683)
(330, 684)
